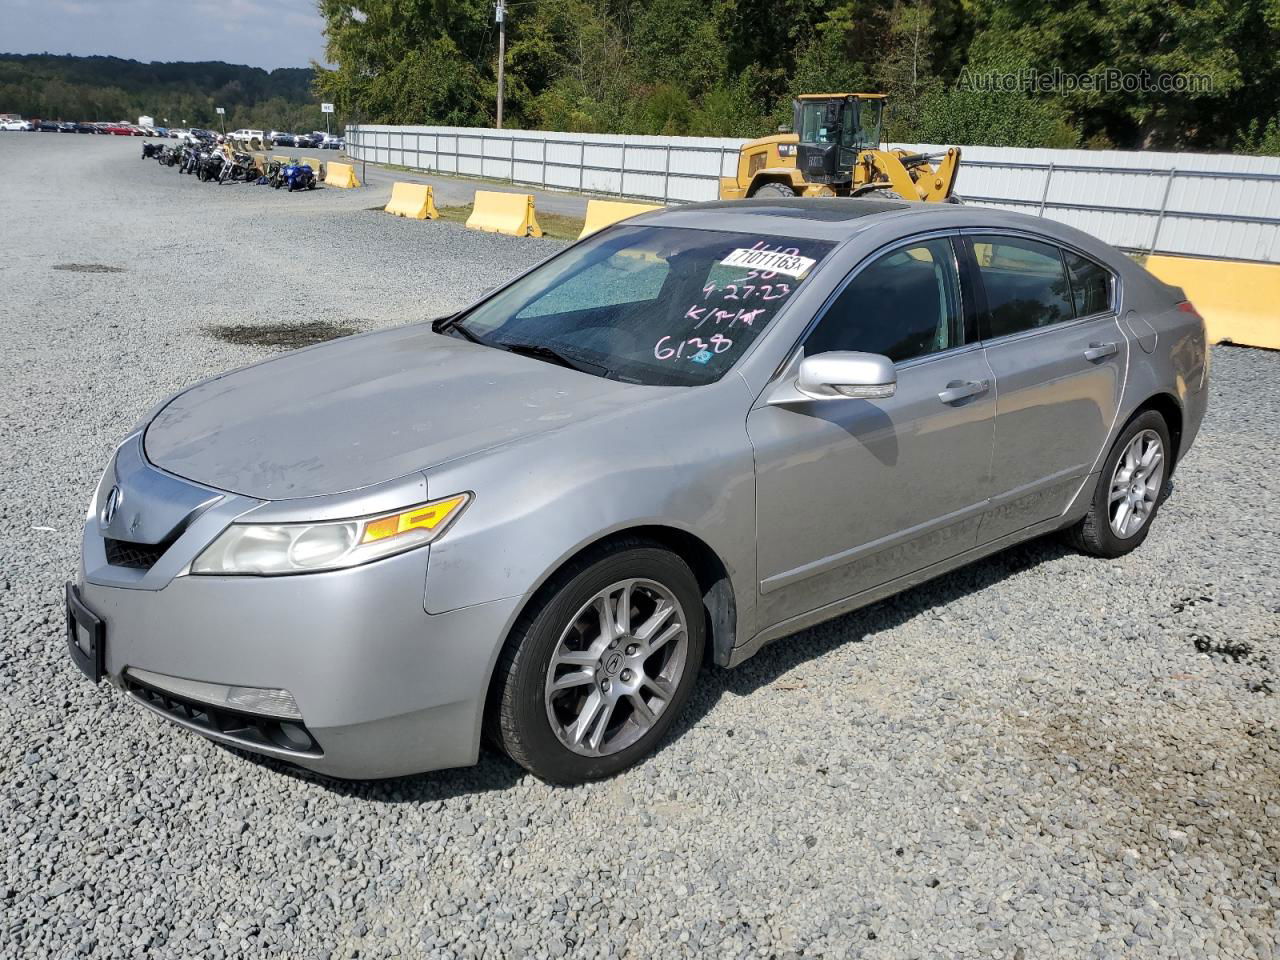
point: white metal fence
(1180, 203)
(670, 169)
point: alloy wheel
(616, 667)
(1136, 484)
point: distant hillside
(108, 88)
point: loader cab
(833, 128)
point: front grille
(247, 729)
(140, 556)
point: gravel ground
(1040, 756)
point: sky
(261, 33)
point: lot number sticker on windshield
(769, 261)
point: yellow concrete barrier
(510, 213)
(341, 175)
(1240, 302)
(318, 168)
(603, 213)
(413, 200)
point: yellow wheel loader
(834, 151)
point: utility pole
(500, 14)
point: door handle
(958, 390)
(1098, 351)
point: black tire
(1094, 533)
(773, 190)
(517, 715)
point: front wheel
(595, 674)
(1129, 492)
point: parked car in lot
(15, 125)
(683, 438)
(121, 130)
(334, 143)
(48, 126)
(282, 139)
(83, 127)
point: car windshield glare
(663, 306)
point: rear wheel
(1130, 490)
(591, 680)
(773, 190)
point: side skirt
(787, 627)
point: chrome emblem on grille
(109, 507)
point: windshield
(656, 305)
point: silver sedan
(678, 440)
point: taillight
(1186, 306)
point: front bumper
(383, 687)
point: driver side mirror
(837, 375)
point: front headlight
(272, 549)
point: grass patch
(556, 226)
(88, 268)
(287, 335)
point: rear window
(1090, 285)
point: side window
(904, 304)
(1025, 283)
(1090, 285)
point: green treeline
(184, 94)
(729, 67)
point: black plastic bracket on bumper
(86, 636)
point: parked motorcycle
(272, 174)
(190, 159)
(209, 168)
(150, 150)
(240, 167)
(297, 176)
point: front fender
(680, 459)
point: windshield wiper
(540, 352)
(454, 323)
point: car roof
(842, 218)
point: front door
(853, 493)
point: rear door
(1048, 323)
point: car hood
(364, 410)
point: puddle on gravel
(88, 268)
(1187, 778)
(287, 335)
